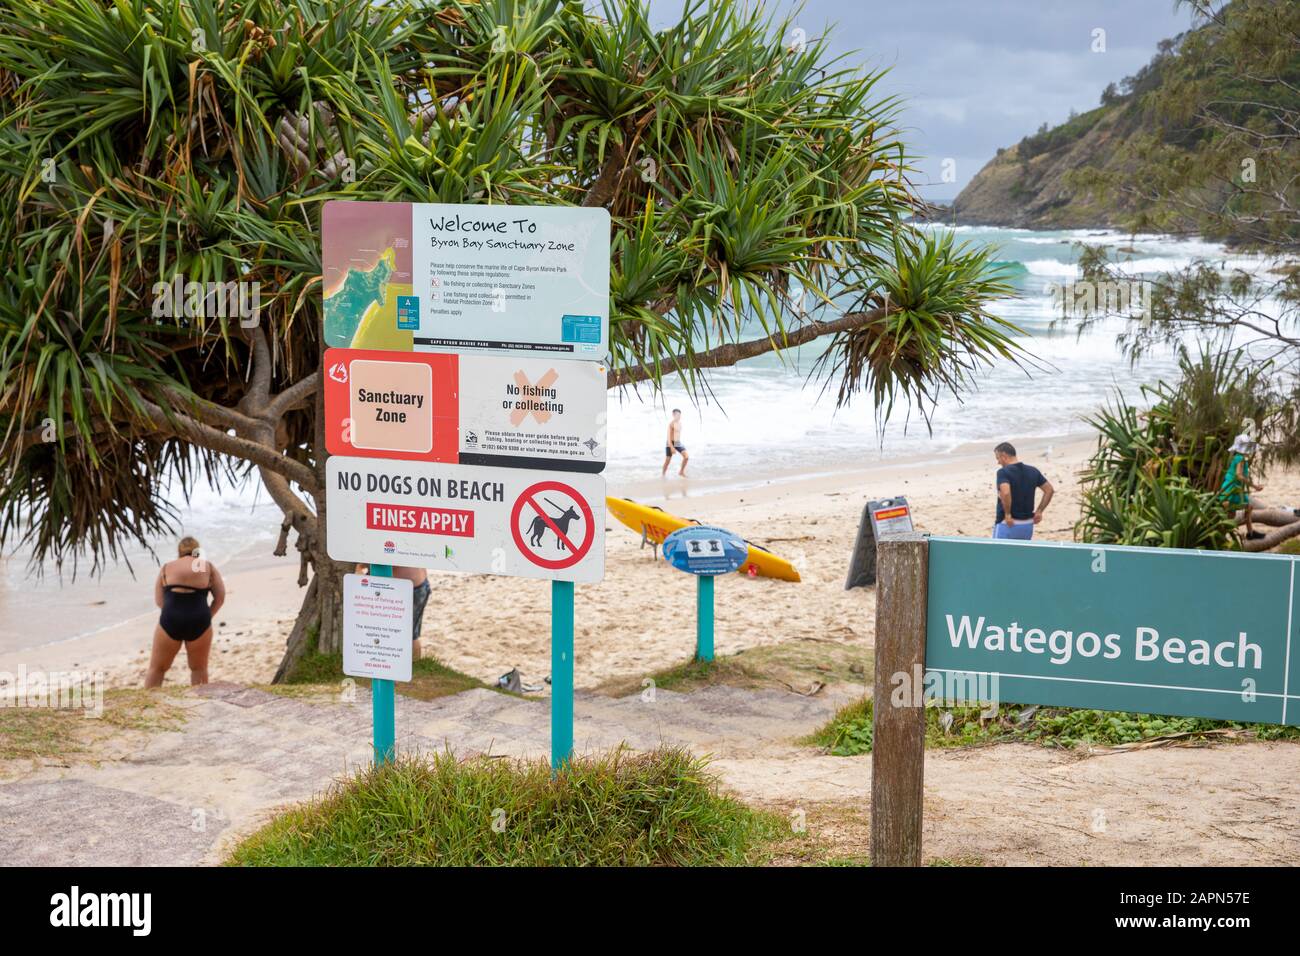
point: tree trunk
(300, 636)
(329, 592)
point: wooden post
(898, 730)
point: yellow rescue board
(657, 524)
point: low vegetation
(47, 732)
(1155, 476)
(621, 809)
(429, 678)
(798, 666)
(849, 732)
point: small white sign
(535, 413)
(891, 516)
(377, 627)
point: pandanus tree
(758, 190)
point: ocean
(766, 415)
(761, 418)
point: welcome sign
(503, 280)
(1151, 630)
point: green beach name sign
(1162, 631)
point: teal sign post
(561, 673)
(1151, 630)
(706, 552)
(383, 700)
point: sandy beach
(641, 618)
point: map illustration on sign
(517, 280)
(468, 518)
(472, 409)
(365, 271)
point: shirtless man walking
(674, 443)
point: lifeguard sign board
(472, 409)
(1151, 630)
(704, 549)
(504, 280)
(467, 518)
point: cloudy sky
(980, 74)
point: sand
(1234, 804)
(641, 618)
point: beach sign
(879, 518)
(456, 335)
(706, 552)
(1152, 630)
(467, 409)
(491, 280)
(1149, 630)
(377, 627)
(467, 518)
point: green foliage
(1155, 476)
(848, 733)
(1158, 513)
(622, 809)
(735, 165)
(1210, 144)
(1049, 140)
(1071, 728)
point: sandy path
(1014, 804)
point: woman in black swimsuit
(182, 591)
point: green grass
(44, 732)
(1291, 546)
(429, 678)
(620, 809)
(848, 733)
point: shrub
(620, 809)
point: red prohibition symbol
(557, 524)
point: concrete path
(183, 797)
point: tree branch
(730, 354)
(602, 190)
(214, 439)
(293, 396)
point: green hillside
(1164, 149)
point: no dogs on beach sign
(470, 347)
(466, 518)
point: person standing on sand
(674, 443)
(1237, 484)
(181, 591)
(1016, 483)
(420, 589)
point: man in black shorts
(674, 443)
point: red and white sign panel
(469, 518)
(470, 409)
